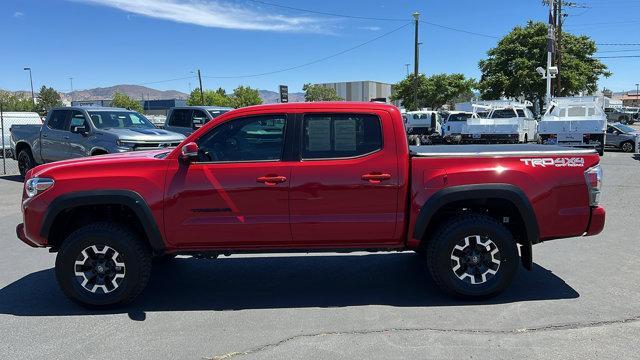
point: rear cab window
(335, 136)
(180, 118)
(58, 120)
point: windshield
(458, 117)
(119, 119)
(503, 114)
(625, 128)
(216, 113)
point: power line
(617, 57)
(314, 61)
(164, 81)
(368, 18)
(618, 51)
(619, 44)
(459, 30)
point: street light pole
(550, 46)
(638, 94)
(201, 92)
(416, 17)
(33, 98)
(407, 67)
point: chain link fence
(9, 166)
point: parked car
(453, 125)
(574, 121)
(621, 116)
(71, 132)
(623, 137)
(186, 119)
(505, 123)
(308, 177)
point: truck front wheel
(25, 161)
(102, 265)
(472, 257)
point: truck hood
(143, 134)
(124, 157)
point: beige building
(631, 99)
(361, 90)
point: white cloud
(216, 14)
(370, 28)
(18, 14)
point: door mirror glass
(189, 152)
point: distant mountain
(270, 97)
(133, 91)
(137, 92)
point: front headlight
(35, 186)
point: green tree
(211, 98)
(245, 96)
(434, 91)
(13, 102)
(319, 93)
(510, 69)
(123, 101)
(47, 98)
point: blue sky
(106, 42)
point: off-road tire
(25, 161)
(439, 256)
(627, 146)
(135, 254)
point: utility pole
(638, 94)
(550, 48)
(416, 57)
(33, 98)
(71, 92)
(559, 20)
(201, 92)
(407, 67)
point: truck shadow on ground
(235, 283)
(15, 178)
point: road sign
(284, 94)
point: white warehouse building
(361, 90)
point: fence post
(4, 151)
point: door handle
(271, 179)
(66, 138)
(376, 177)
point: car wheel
(25, 161)
(623, 119)
(472, 257)
(103, 265)
(627, 146)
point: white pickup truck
(509, 123)
(574, 121)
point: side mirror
(616, 132)
(82, 130)
(189, 152)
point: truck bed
(493, 150)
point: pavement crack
(552, 327)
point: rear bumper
(23, 237)
(596, 222)
(483, 138)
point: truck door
(345, 189)
(76, 140)
(237, 193)
(53, 136)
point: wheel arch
(481, 195)
(98, 150)
(125, 198)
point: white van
(15, 118)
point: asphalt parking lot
(581, 301)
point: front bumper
(596, 222)
(23, 237)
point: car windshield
(625, 128)
(216, 113)
(119, 119)
(458, 117)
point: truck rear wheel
(25, 161)
(472, 257)
(103, 265)
(627, 146)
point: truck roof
(91, 108)
(204, 107)
(324, 104)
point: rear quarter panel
(558, 194)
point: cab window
(340, 136)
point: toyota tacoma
(308, 177)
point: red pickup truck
(308, 177)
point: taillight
(593, 177)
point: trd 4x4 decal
(557, 162)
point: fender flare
(128, 198)
(94, 149)
(507, 192)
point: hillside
(133, 91)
